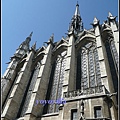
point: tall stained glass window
(31, 88)
(114, 53)
(88, 67)
(58, 78)
(113, 62)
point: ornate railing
(87, 91)
(97, 119)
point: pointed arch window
(17, 73)
(112, 56)
(58, 78)
(114, 53)
(88, 70)
(33, 80)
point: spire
(76, 24)
(28, 39)
(30, 34)
(34, 46)
(24, 46)
(77, 13)
(109, 14)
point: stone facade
(75, 78)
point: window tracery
(112, 56)
(31, 88)
(58, 78)
(114, 52)
(90, 70)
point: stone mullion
(54, 85)
(61, 80)
(96, 83)
(64, 64)
(58, 83)
(88, 76)
(90, 67)
(78, 70)
(94, 67)
(81, 72)
(115, 60)
(84, 78)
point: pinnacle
(77, 10)
(109, 14)
(30, 34)
(111, 17)
(95, 19)
(34, 45)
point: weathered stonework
(80, 69)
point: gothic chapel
(75, 78)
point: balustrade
(87, 91)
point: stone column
(8, 79)
(115, 32)
(101, 54)
(69, 81)
(104, 65)
(16, 95)
(41, 85)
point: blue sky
(44, 17)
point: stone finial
(34, 46)
(111, 17)
(95, 19)
(30, 34)
(28, 39)
(77, 13)
(51, 38)
(95, 22)
(110, 14)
